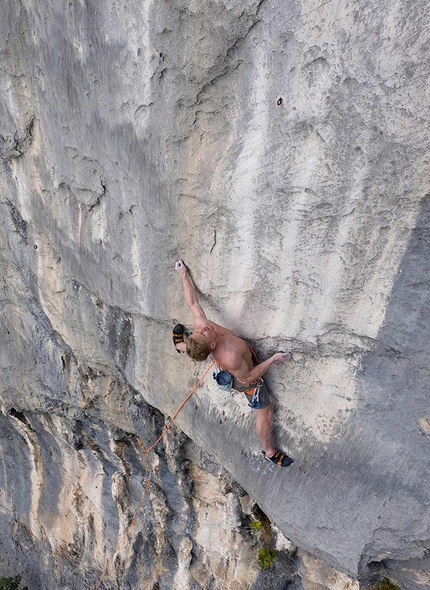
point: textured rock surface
(282, 151)
(192, 531)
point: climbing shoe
(178, 335)
(279, 459)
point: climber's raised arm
(191, 296)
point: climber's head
(199, 347)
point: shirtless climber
(232, 355)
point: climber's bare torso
(231, 352)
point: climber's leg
(263, 427)
(264, 432)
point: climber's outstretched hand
(279, 357)
(180, 267)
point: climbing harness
(145, 451)
(227, 382)
(255, 400)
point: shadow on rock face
(362, 500)
(393, 406)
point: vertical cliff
(281, 149)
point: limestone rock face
(281, 149)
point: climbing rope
(145, 452)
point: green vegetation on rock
(11, 583)
(384, 584)
(266, 557)
(255, 525)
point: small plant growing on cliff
(384, 584)
(11, 583)
(266, 557)
(255, 525)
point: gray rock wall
(282, 151)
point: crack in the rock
(316, 8)
(21, 417)
(322, 349)
(99, 198)
(214, 244)
(19, 222)
(122, 309)
(227, 69)
(16, 146)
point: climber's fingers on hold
(180, 266)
